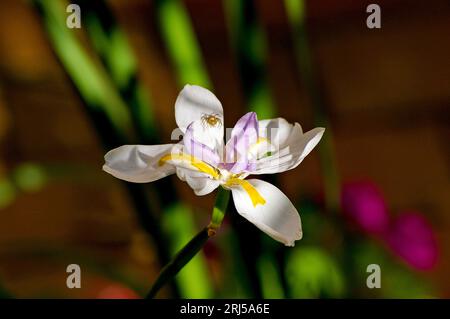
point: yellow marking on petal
(259, 141)
(192, 160)
(249, 188)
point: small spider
(211, 119)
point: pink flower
(363, 202)
(411, 237)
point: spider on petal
(212, 120)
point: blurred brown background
(388, 91)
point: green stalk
(296, 15)
(111, 44)
(249, 43)
(181, 43)
(184, 256)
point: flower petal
(201, 184)
(193, 102)
(243, 136)
(277, 217)
(277, 131)
(273, 135)
(200, 106)
(138, 163)
(181, 159)
(290, 152)
(198, 149)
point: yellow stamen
(249, 188)
(198, 164)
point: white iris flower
(205, 162)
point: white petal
(193, 102)
(277, 217)
(180, 158)
(291, 151)
(199, 182)
(193, 106)
(211, 136)
(273, 137)
(138, 163)
(276, 130)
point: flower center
(226, 178)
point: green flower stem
(223, 197)
(194, 245)
(179, 261)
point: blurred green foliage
(312, 273)
(7, 192)
(93, 83)
(269, 272)
(249, 43)
(117, 56)
(296, 13)
(181, 43)
(29, 177)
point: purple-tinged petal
(199, 150)
(246, 122)
(411, 237)
(243, 136)
(239, 167)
